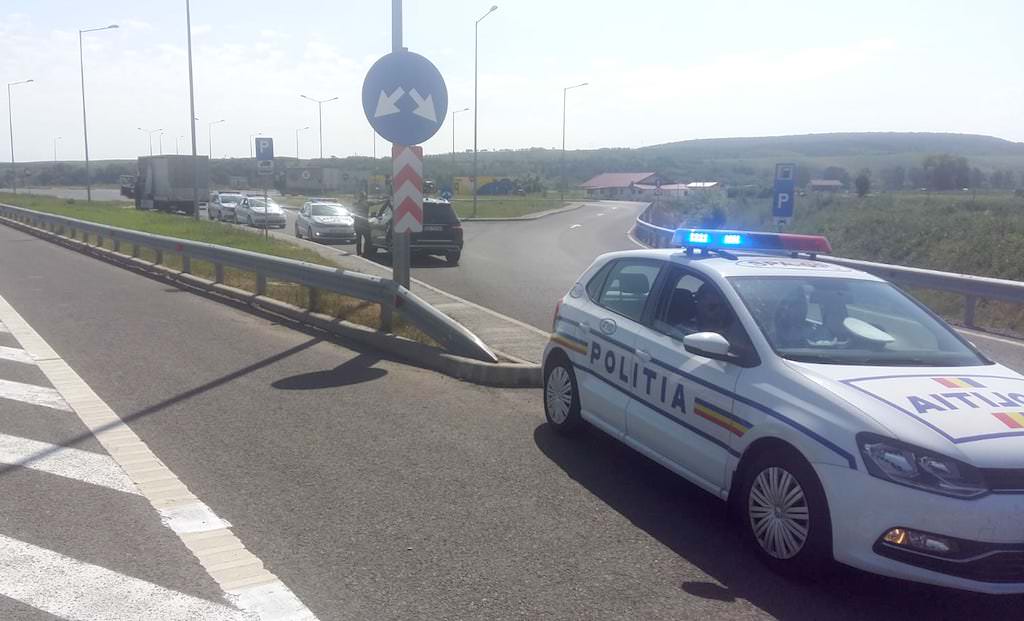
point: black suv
(441, 235)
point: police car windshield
(849, 321)
(328, 210)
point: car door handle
(643, 355)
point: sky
(657, 71)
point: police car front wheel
(785, 514)
(562, 398)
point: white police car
(839, 417)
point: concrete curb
(502, 374)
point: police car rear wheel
(562, 399)
(786, 514)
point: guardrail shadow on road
(356, 370)
(697, 527)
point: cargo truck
(164, 182)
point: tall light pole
(177, 149)
(565, 92)
(453, 146)
(209, 134)
(192, 116)
(476, 63)
(149, 133)
(297, 130)
(160, 141)
(320, 108)
(85, 123)
(55, 148)
(10, 121)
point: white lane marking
(66, 462)
(15, 355)
(600, 214)
(990, 337)
(36, 395)
(75, 590)
(575, 226)
(237, 570)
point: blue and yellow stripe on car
(731, 423)
(570, 342)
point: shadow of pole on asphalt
(696, 526)
(356, 370)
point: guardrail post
(314, 299)
(970, 303)
(117, 245)
(74, 233)
(99, 240)
(186, 264)
(218, 273)
(85, 237)
(159, 256)
(261, 283)
(135, 251)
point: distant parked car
(223, 205)
(255, 211)
(441, 235)
(327, 222)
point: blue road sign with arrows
(405, 98)
(783, 196)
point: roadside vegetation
(183, 227)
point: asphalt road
(376, 490)
(521, 268)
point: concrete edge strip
(529, 217)
(239, 573)
(506, 375)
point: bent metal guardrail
(452, 336)
(972, 288)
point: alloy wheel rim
(778, 511)
(558, 394)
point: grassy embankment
(950, 231)
(115, 214)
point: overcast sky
(659, 70)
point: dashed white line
(70, 463)
(575, 226)
(35, 395)
(75, 590)
(15, 355)
(238, 571)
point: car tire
(298, 233)
(309, 234)
(453, 257)
(209, 213)
(784, 514)
(562, 397)
(250, 222)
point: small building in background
(619, 185)
(825, 185)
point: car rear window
(439, 213)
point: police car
(840, 418)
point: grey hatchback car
(326, 222)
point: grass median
(184, 227)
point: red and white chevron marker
(408, 188)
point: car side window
(628, 285)
(689, 304)
(597, 281)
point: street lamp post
(297, 130)
(453, 146)
(476, 62)
(252, 137)
(565, 92)
(209, 134)
(10, 122)
(160, 141)
(320, 108)
(150, 133)
(55, 148)
(85, 123)
(177, 149)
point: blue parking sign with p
(264, 149)
(784, 191)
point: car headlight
(906, 464)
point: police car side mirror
(708, 344)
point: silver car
(328, 222)
(222, 205)
(257, 211)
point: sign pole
(400, 241)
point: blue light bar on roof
(749, 240)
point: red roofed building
(619, 185)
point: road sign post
(784, 195)
(265, 168)
(405, 100)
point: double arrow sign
(408, 187)
(424, 105)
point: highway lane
(521, 268)
(378, 490)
